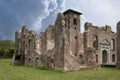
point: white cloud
(99, 12)
(50, 6)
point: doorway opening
(104, 57)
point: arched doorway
(104, 56)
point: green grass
(8, 72)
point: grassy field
(8, 72)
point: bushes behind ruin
(6, 49)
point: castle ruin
(63, 47)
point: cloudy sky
(38, 14)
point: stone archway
(104, 57)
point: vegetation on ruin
(8, 72)
(6, 48)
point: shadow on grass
(42, 67)
(46, 68)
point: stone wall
(27, 47)
(100, 39)
(50, 37)
(118, 45)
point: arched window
(113, 57)
(113, 44)
(95, 42)
(96, 58)
(29, 43)
(75, 21)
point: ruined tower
(67, 29)
(72, 22)
(118, 45)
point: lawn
(8, 72)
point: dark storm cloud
(15, 13)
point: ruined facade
(103, 41)
(63, 47)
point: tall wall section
(67, 38)
(118, 45)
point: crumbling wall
(27, 47)
(31, 49)
(90, 58)
(118, 45)
(50, 37)
(59, 44)
(43, 47)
